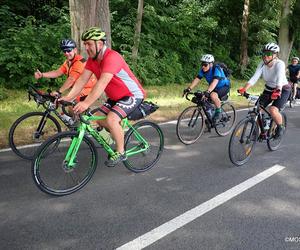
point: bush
(30, 44)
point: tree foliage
(29, 44)
(174, 35)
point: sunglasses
(204, 64)
(267, 53)
(67, 50)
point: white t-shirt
(274, 76)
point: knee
(214, 96)
(112, 119)
(273, 110)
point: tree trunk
(89, 13)
(286, 36)
(244, 59)
(137, 34)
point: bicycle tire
(144, 160)
(227, 119)
(242, 141)
(50, 171)
(190, 125)
(24, 132)
(272, 143)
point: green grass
(168, 97)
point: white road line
(183, 219)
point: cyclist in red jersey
(72, 68)
(122, 88)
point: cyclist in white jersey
(277, 90)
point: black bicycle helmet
(67, 44)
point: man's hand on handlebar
(80, 107)
(186, 91)
(241, 91)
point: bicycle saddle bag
(146, 108)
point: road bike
(190, 123)
(66, 162)
(33, 128)
(259, 126)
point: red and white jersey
(123, 83)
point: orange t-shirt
(75, 69)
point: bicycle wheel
(190, 125)
(148, 138)
(242, 141)
(227, 119)
(50, 170)
(274, 143)
(31, 130)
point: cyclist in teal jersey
(218, 83)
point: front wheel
(31, 130)
(190, 125)
(144, 144)
(242, 141)
(227, 119)
(274, 143)
(63, 164)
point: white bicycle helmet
(208, 58)
(295, 58)
(271, 47)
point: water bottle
(267, 122)
(209, 109)
(67, 119)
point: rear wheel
(190, 125)
(227, 119)
(242, 141)
(30, 131)
(144, 145)
(274, 143)
(52, 169)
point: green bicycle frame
(70, 158)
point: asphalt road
(194, 198)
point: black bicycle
(33, 128)
(190, 123)
(257, 126)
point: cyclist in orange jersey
(72, 68)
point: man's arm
(78, 86)
(49, 74)
(213, 84)
(67, 84)
(194, 83)
(96, 92)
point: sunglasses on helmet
(267, 53)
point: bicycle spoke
(143, 145)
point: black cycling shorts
(265, 98)
(223, 91)
(122, 107)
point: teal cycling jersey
(214, 72)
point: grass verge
(168, 97)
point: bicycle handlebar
(198, 94)
(64, 104)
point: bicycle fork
(193, 121)
(142, 145)
(41, 125)
(70, 159)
